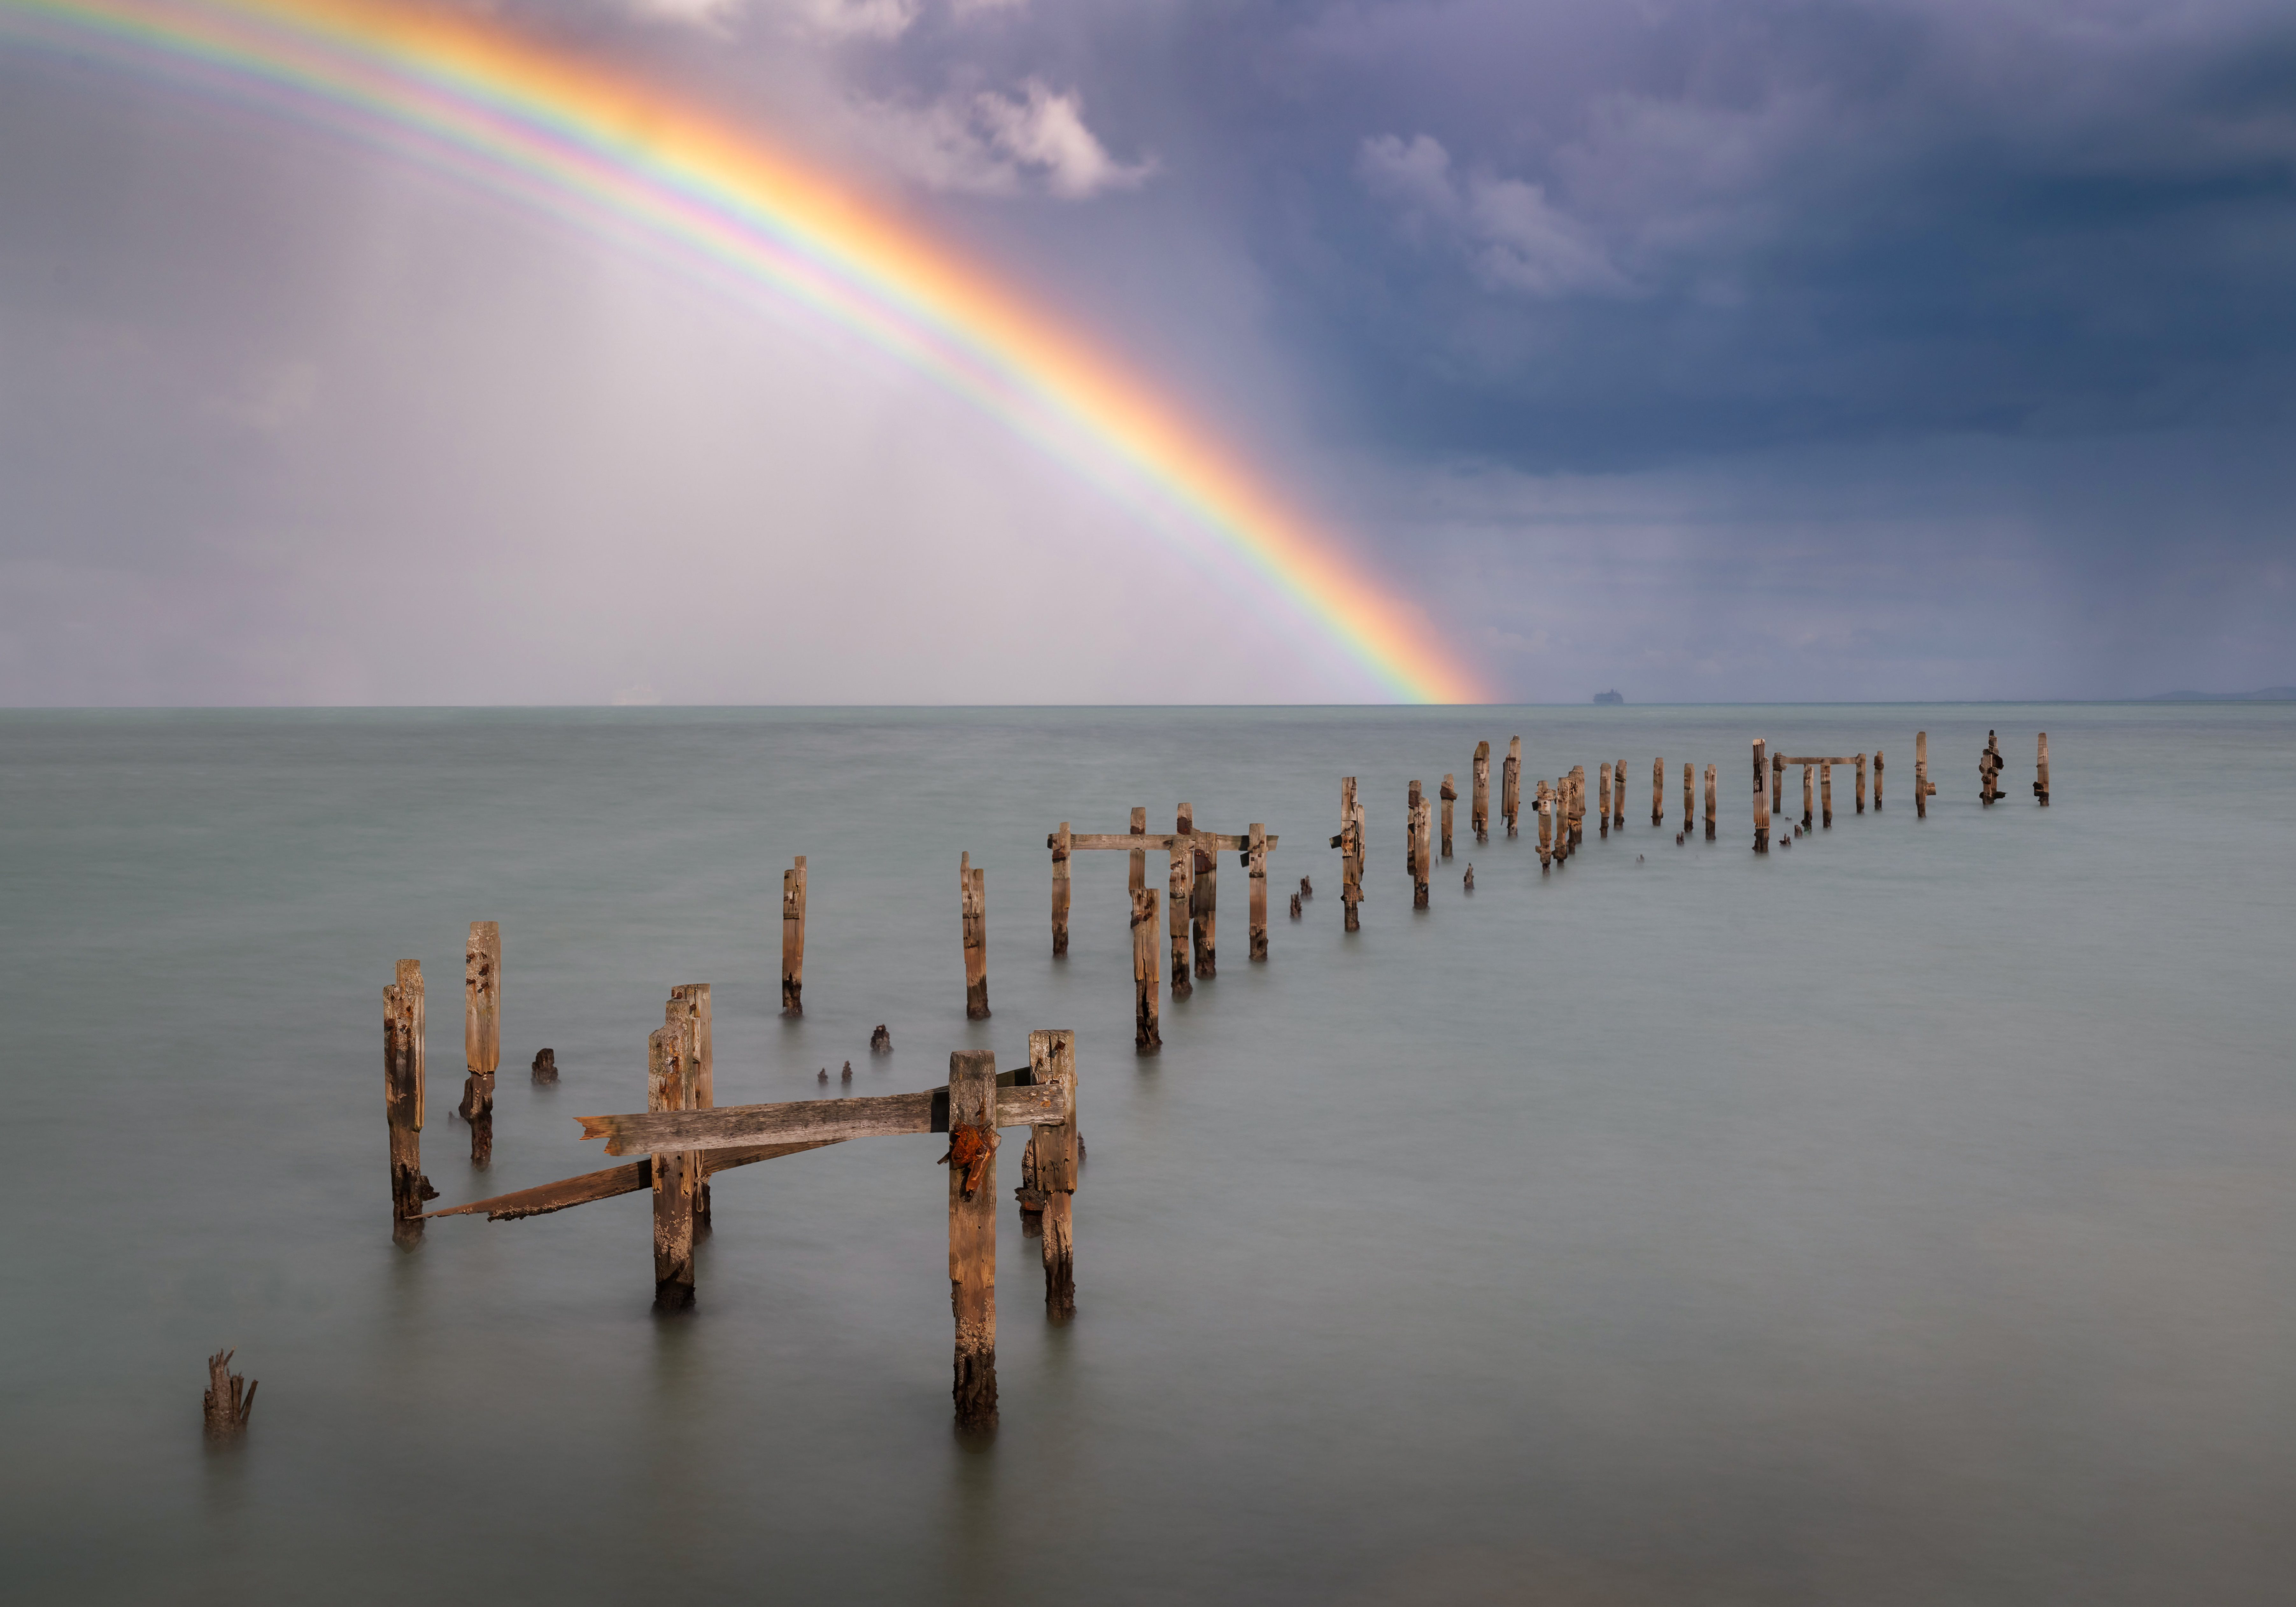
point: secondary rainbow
(587, 144)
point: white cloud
(996, 145)
(836, 18)
(1512, 236)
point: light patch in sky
(988, 144)
(1512, 237)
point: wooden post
(1145, 1035)
(1203, 898)
(1988, 769)
(673, 1173)
(1180, 896)
(481, 1035)
(1602, 803)
(1806, 817)
(1709, 802)
(1825, 795)
(1416, 831)
(1921, 775)
(1139, 855)
(794, 939)
(972, 1162)
(403, 1096)
(1543, 804)
(1619, 795)
(1578, 805)
(1777, 783)
(1761, 797)
(229, 1398)
(1478, 808)
(1060, 892)
(1052, 1062)
(1255, 863)
(695, 997)
(1658, 791)
(1511, 783)
(1449, 795)
(2040, 775)
(1877, 781)
(972, 892)
(1350, 842)
(1689, 798)
(1861, 784)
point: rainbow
(598, 147)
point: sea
(1905, 1216)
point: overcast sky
(1706, 351)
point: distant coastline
(2270, 694)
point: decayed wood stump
(229, 1398)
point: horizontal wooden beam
(813, 1120)
(1790, 759)
(1219, 842)
(635, 1178)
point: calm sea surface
(1906, 1217)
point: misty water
(1908, 1217)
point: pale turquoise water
(1908, 1218)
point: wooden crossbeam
(635, 1178)
(1788, 759)
(1219, 842)
(812, 1121)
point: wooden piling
(229, 1398)
(1989, 770)
(1877, 781)
(1179, 897)
(1060, 892)
(1777, 784)
(1449, 795)
(794, 939)
(1603, 804)
(1416, 830)
(1578, 805)
(674, 1171)
(403, 1095)
(1511, 783)
(481, 1035)
(972, 893)
(972, 1162)
(1479, 814)
(1619, 795)
(1761, 797)
(1544, 805)
(1052, 1064)
(1658, 791)
(1139, 855)
(1203, 898)
(695, 997)
(1145, 1035)
(1255, 861)
(2040, 775)
(1861, 784)
(1921, 775)
(1807, 796)
(1350, 842)
(1689, 798)
(1825, 795)
(1710, 790)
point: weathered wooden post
(695, 997)
(1145, 1035)
(1478, 813)
(1761, 798)
(1689, 798)
(1861, 784)
(1179, 897)
(1052, 1062)
(1658, 791)
(1511, 783)
(973, 894)
(481, 1035)
(1709, 802)
(229, 1397)
(1777, 783)
(1921, 775)
(1877, 781)
(1061, 891)
(1806, 817)
(2040, 775)
(794, 939)
(403, 1100)
(1603, 804)
(1203, 898)
(1619, 795)
(1420, 868)
(1350, 846)
(1578, 805)
(675, 1172)
(972, 1162)
(1255, 862)
(1449, 795)
(1988, 769)
(1139, 855)
(1825, 795)
(1543, 805)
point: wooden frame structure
(1825, 769)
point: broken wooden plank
(1223, 842)
(873, 1116)
(634, 1177)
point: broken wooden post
(1619, 795)
(1417, 832)
(1709, 802)
(1203, 896)
(1861, 784)
(1255, 863)
(1578, 805)
(1061, 891)
(1145, 1035)
(1777, 784)
(1921, 775)
(1139, 855)
(1449, 794)
(1178, 896)
(695, 997)
(1350, 842)
(229, 1398)
(1761, 798)
(1989, 770)
(1478, 808)
(794, 939)
(972, 1162)
(402, 1102)
(1877, 781)
(1689, 798)
(2040, 775)
(1052, 1062)
(972, 891)
(481, 1035)
(1602, 803)
(1807, 777)
(674, 1175)
(1658, 791)
(1825, 795)
(1511, 784)
(1544, 805)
